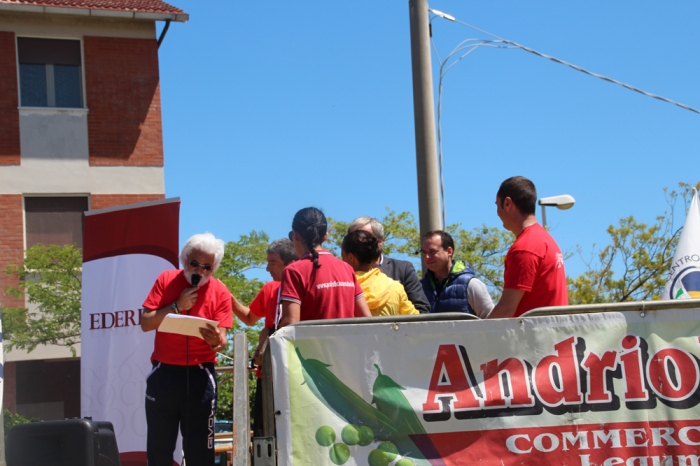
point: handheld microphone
(195, 279)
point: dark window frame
(46, 59)
(42, 213)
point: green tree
(50, 279)
(635, 265)
(10, 420)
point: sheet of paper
(184, 325)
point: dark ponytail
(311, 225)
(363, 245)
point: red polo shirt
(213, 302)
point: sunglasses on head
(291, 235)
(196, 264)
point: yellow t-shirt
(384, 296)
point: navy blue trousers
(184, 397)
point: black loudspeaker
(71, 442)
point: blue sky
(269, 107)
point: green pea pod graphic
(349, 406)
(389, 399)
(340, 399)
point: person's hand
(211, 336)
(187, 299)
(257, 357)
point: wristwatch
(174, 308)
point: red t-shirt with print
(535, 265)
(326, 292)
(213, 302)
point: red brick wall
(11, 251)
(103, 201)
(11, 242)
(9, 115)
(123, 95)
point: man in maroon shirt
(181, 387)
(534, 268)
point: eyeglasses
(196, 264)
(291, 235)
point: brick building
(80, 128)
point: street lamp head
(562, 202)
(441, 14)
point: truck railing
(641, 306)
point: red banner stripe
(137, 229)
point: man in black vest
(401, 271)
(450, 285)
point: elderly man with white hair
(181, 388)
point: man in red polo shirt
(181, 388)
(534, 268)
(280, 254)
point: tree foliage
(635, 265)
(249, 252)
(50, 279)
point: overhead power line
(582, 70)
(470, 45)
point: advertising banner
(125, 249)
(588, 389)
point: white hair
(360, 222)
(206, 243)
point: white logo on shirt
(560, 260)
(335, 284)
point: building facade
(80, 129)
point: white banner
(125, 250)
(589, 389)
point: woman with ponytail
(384, 296)
(318, 285)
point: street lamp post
(561, 202)
(424, 117)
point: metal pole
(544, 217)
(241, 411)
(424, 115)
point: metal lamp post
(561, 202)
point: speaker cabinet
(71, 442)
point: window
(55, 220)
(49, 72)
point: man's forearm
(243, 312)
(508, 304)
(150, 319)
(500, 311)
